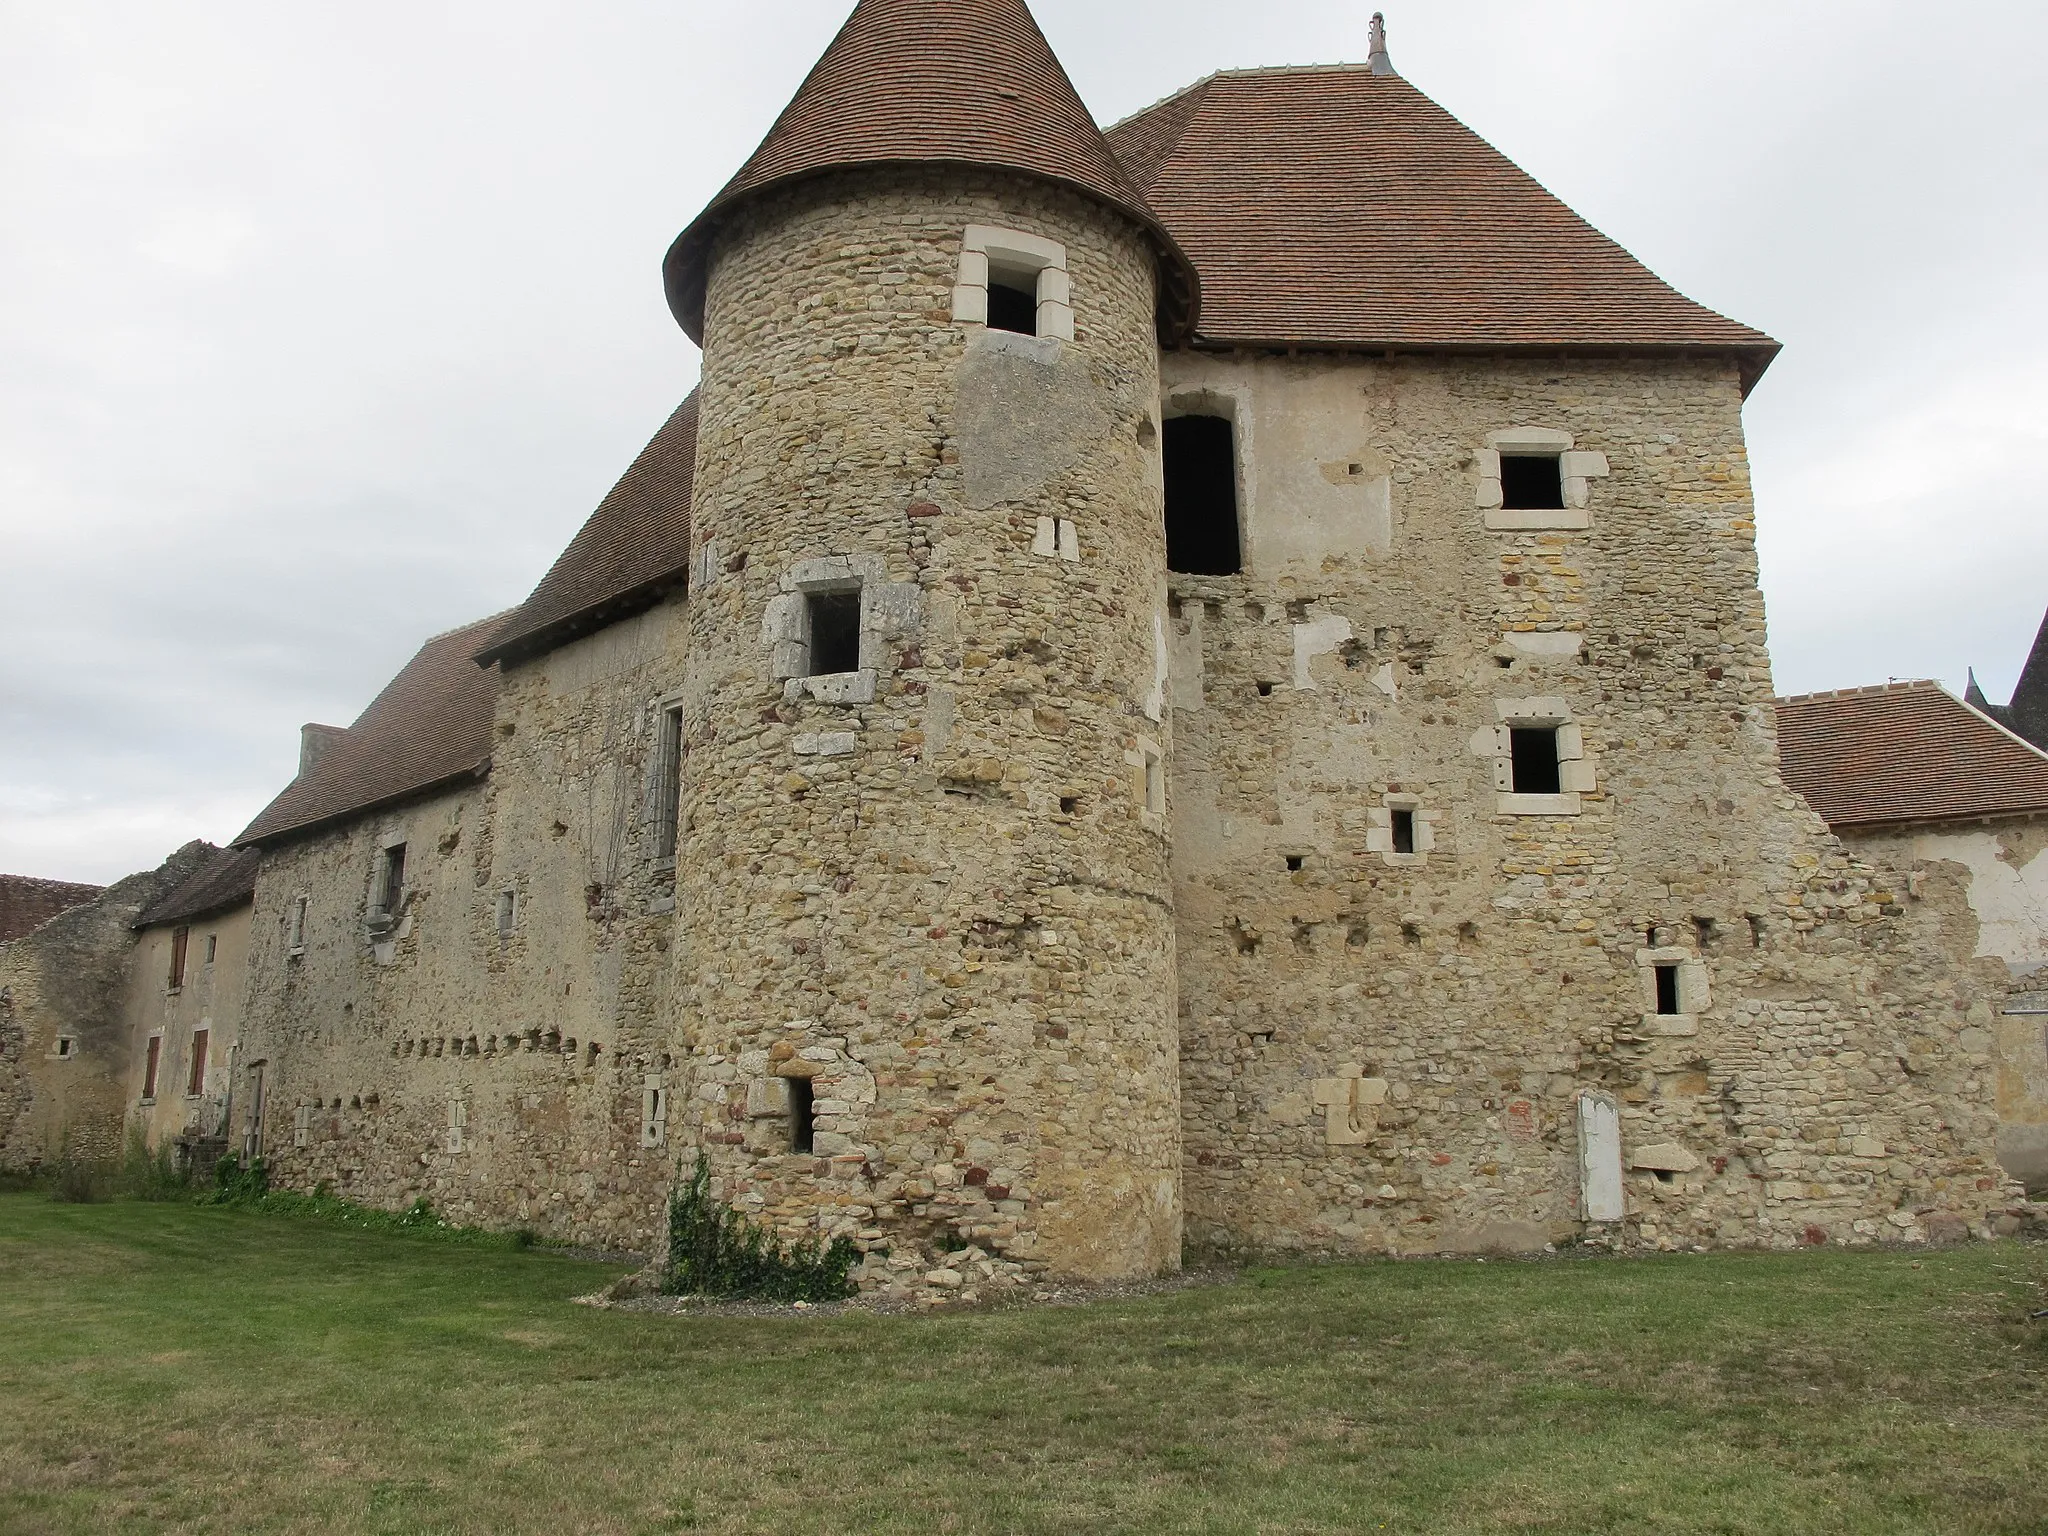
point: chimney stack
(315, 741)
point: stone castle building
(1202, 682)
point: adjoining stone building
(70, 1010)
(1203, 682)
(1952, 808)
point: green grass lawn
(166, 1366)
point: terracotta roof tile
(26, 903)
(1905, 752)
(633, 549)
(430, 725)
(227, 879)
(1329, 206)
(965, 82)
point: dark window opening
(1294, 861)
(1069, 804)
(668, 784)
(1667, 988)
(1530, 481)
(64, 1045)
(391, 881)
(1665, 1176)
(1404, 831)
(1012, 308)
(1201, 497)
(799, 1113)
(1534, 751)
(835, 632)
(179, 939)
(149, 1065)
(195, 1080)
(1265, 690)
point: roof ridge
(1896, 685)
(456, 629)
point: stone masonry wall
(933, 888)
(1389, 1051)
(502, 1076)
(64, 1033)
(210, 999)
(1990, 881)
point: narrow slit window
(195, 1080)
(508, 913)
(1013, 301)
(1404, 830)
(1667, 989)
(297, 934)
(1530, 482)
(800, 1133)
(150, 1064)
(180, 938)
(391, 880)
(1202, 536)
(1534, 752)
(668, 782)
(835, 631)
(212, 946)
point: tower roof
(2027, 711)
(933, 82)
(1338, 206)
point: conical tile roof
(961, 82)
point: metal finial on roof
(1377, 60)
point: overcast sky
(323, 326)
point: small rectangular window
(1013, 300)
(1404, 830)
(179, 939)
(1667, 988)
(668, 782)
(212, 946)
(508, 913)
(1534, 751)
(296, 936)
(800, 1134)
(195, 1082)
(150, 1063)
(835, 631)
(1531, 482)
(391, 880)
(1201, 496)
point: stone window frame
(1576, 467)
(1576, 770)
(392, 911)
(458, 1123)
(888, 609)
(1229, 401)
(152, 1071)
(663, 814)
(1057, 538)
(1149, 782)
(1695, 989)
(654, 1107)
(302, 1125)
(508, 912)
(986, 245)
(295, 926)
(1379, 830)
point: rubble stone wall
(1395, 1052)
(932, 888)
(501, 1076)
(65, 1033)
(1997, 874)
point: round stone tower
(924, 933)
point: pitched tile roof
(227, 879)
(430, 726)
(633, 549)
(965, 82)
(1905, 752)
(26, 903)
(1330, 206)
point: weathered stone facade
(69, 1022)
(1077, 909)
